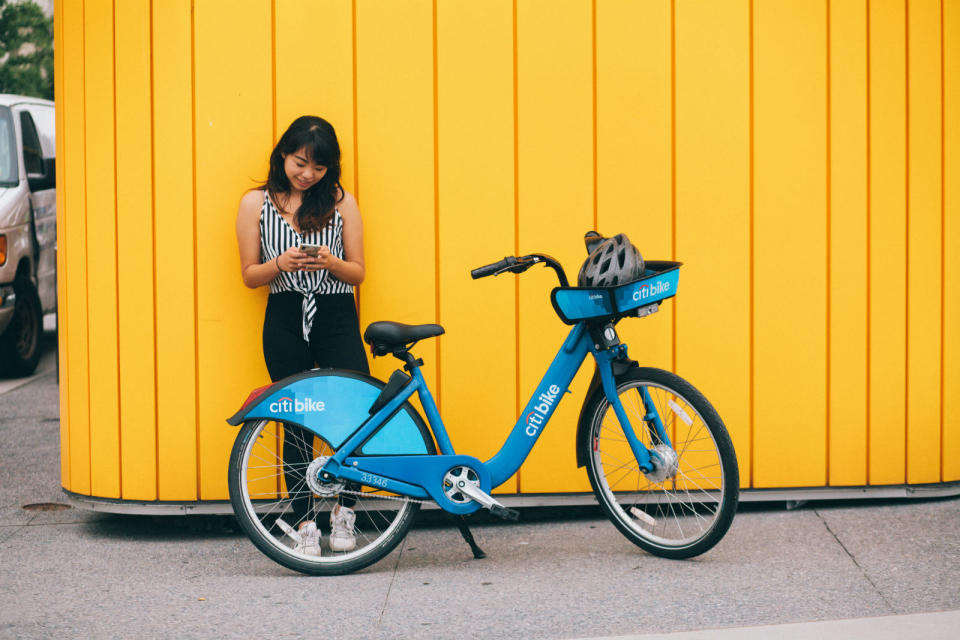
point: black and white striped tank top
(276, 236)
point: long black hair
(319, 141)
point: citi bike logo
(647, 290)
(289, 405)
(537, 417)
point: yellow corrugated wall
(801, 158)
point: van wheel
(20, 343)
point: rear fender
(333, 404)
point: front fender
(333, 404)
(583, 423)
(594, 395)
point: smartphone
(310, 249)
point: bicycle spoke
(684, 510)
(277, 497)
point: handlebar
(520, 264)
(493, 269)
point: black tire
(259, 499)
(20, 343)
(684, 515)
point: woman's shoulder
(253, 198)
(347, 204)
(250, 204)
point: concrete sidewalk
(828, 570)
(940, 625)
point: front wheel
(20, 343)
(687, 512)
(273, 490)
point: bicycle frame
(421, 476)
(403, 465)
(344, 435)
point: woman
(311, 318)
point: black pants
(335, 342)
(334, 338)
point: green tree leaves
(26, 49)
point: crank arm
(487, 501)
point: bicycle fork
(609, 350)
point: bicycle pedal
(487, 501)
(504, 512)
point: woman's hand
(325, 258)
(295, 259)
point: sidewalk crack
(15, 529)
(853, 558)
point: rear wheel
(685, 509)
(271, 498)
(20, 343)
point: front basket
(576, 304)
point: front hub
(665, 463)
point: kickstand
(461, 522)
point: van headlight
(3, 249)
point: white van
(28, 229)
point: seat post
(410, 361)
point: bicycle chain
(366, 494)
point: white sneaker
(310, 537)
(342, 537)
(306, 538)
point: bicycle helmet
(612, 261)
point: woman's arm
(351, 269)
(254, 273)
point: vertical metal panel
(395, 138)
(950, 390)
(74, 245)
(634, 150)
(887, 241)
(234, 113)
(924, 242)
(475, 128)
(316, 77)
(556, 206)
(475, 110)
(135, 255)
(62, 330)
(173, 231)
(848, 243)
(712, 194)
(789, 245)
(101, 231)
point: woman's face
(302, 172)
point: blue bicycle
(659, 458)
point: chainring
(456, 478)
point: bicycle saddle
(386, 336)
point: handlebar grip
(490, 269)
